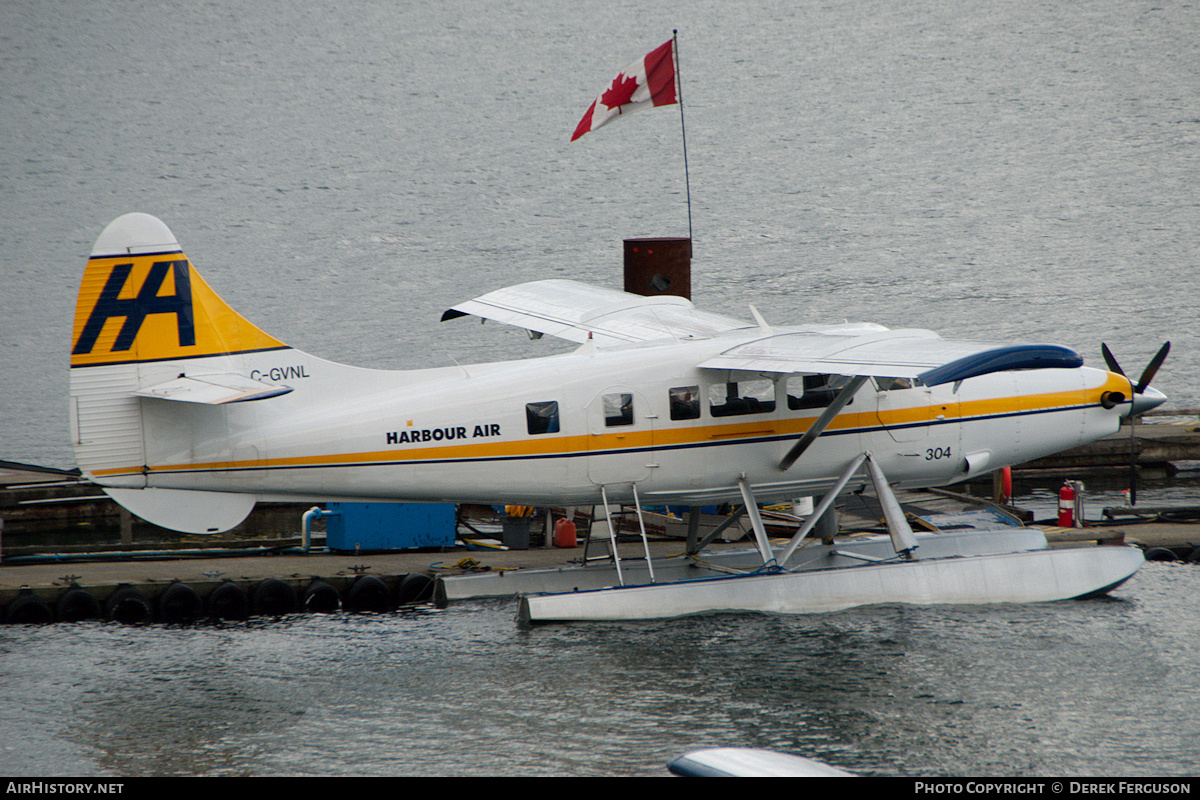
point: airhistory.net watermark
(62, 787)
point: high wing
(913, 354)
(577, 311)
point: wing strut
(903, 539)
(822, 422)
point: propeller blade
(1111, 360)
(1142, 385)
(1152, 367)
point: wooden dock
(1155, 444)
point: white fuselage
(642, 414)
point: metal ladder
(611, 539)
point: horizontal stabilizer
(186, 511)
(213, 389)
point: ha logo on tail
(146, 325)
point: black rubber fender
(1194, 556)
(320, 598)
(179, 603)
(273, 598)
(27, 608)
(77, 604)
(1160, 554)
(414, 587)
(228, 601)
(128, 605)
(367, 594)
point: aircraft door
(620, 437)
(920, 414)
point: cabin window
(685, 402)
(618, 410)
(733, 399)
(813, 391)
(542, 417)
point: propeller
(1134, 390)
(1147, 374)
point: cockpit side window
(813, 391)
(892, 384)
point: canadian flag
(650, 81)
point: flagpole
(687, 181)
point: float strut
(901, 532)
(821, 508)
(760, 531)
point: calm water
(1103, 687)
(342, 173)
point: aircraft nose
(1147, 399)
(1144, 397)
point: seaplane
(187, 414)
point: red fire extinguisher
(1066, 506)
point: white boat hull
(1022, 577)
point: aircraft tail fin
(148, 326)
(141, 301)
